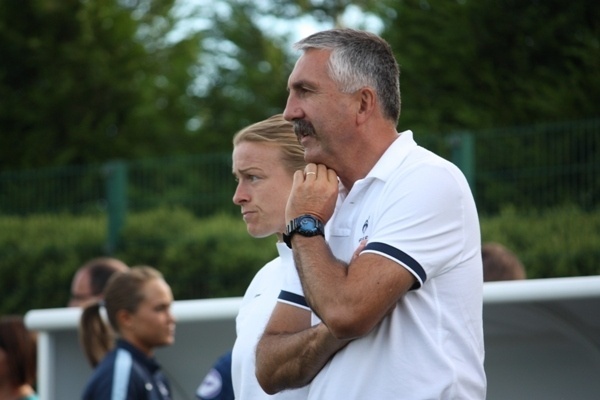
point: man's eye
(300, 90)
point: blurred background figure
(500, 264)
(91, 278)
(17, 360)
(217, 384)
(138, 307)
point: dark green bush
(552, 243)
(215, 256)
(200, 258)
(39, 254)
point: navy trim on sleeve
(400, 256)
(293, 298)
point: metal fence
(539, 166)
(530, 167)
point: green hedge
(200, 258)
(215, 257)
(38, 256)
(553, 243)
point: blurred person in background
(91, 278)
(217, 384)
(17, 360)
(500, 264)
(138, 306)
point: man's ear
(367, 104)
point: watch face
(308, 224)
(305, 225)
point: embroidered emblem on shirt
(364, 230)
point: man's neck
(360, 164)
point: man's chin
(312, 156)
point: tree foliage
(481, 64)
(88, 81)
(244, 75)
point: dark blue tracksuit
(127, 374)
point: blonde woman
(265, 158)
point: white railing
(542, 339)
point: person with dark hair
(501, 264)
(18, 356)
(410, 304)
(138, 307)
(91, 278)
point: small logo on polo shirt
(364, 230)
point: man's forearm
(322, 277)
(292, 360)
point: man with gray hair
(402, 318)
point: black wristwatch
(306, 225)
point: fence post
(115, 174)
(463, 155)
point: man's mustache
(303, 128)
